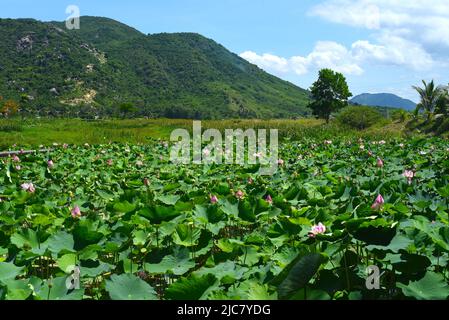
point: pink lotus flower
(409, 175)
(213, 199)
(206, 152)
(378, 203)
(239, 194)
(109, 162)
(76, 212)
(317, 229)
(269, 199)
(250, 180)
(280, 162)
(380, 163)
(18, 167)
(65, 145)
(50, 163)
(15, 158)
(28, 187)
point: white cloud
(391, 50)
(268, 62)
(422, 21)
(326, 54)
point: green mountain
(106, 64)
(384, 100)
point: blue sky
(380, 45)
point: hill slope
(384, 100)
(106, 63)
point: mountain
(105, 64)
(384, 100)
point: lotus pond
(131, 225)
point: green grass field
(33, 132)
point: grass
(35, 132)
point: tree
(442, 106)
(10, 108)
(330, 93)
(127, 108)
(430, 96)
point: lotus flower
(213, 199)
(328, 142)
(206, 152)
(109, 162)
(317, 229)
(50, 163)
(269, 199)
(378, 203)
(18, 167)
(280, 162)
(250, 180)
(409, 175)
(239, 194)
(401, 145)
(380, 163)
(15, 158)
(76, 212)
(65, 145)
(28, 187)
(146, 182)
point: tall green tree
(430, 95)
(330, 93)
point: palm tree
(430, 95)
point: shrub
(10, 127)
(400, 115)
(359, 117)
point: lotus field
(339, 220)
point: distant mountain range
(384, 100)
(106, 63)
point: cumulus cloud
(412, 34)
(326, 54)
(268, 62)
(391, 50)
(422, 21)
